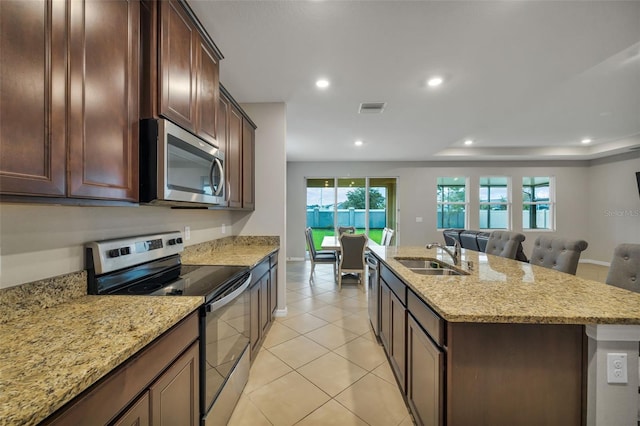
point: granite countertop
(55, 353)
(499, 290)
(56, 341)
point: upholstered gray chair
(483, 239)
(347, 229)
(451, 235)
(504, 243)
(561, 254)
(352, 249)
(624, 271)
(468, 240)
(319, 256)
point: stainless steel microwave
(178, 168)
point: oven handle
(211, 307)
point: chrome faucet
(455, 255)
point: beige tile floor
(321, 365)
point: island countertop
(499, 290)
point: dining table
(332, 242)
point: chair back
(451, 235)
(346, 229)
(312, 248)
(352, 249)
(624, 271)
(387, 240)
(384, 236)
(504, 243)
(561, 254)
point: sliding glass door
(366, 204)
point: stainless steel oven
(178, 168)
(151, 265)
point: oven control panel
(111, 255)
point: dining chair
(624, 271)
(389, 236)
(347, 229)
(561, 254)
(352, 248)
(319, 256)
(383, 238)
(504, 244)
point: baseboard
(295, 259)
(281, 312)
(595, 262)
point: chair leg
(339, 281)
(313, 267)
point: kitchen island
(505, 342)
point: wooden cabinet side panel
(174, 396)
(138, 414)
(248, 166)
(33, 97)
(233, 158)
(178, 36)
(508, 374)
(273, 299)
(103, 99)
(208, 93)
(398, 339)
(148, 59)
(425, 376)
(385, 316)
(265, 310)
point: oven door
(193, 169)
(224, 353)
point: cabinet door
(265, 311)
(398, 339)
(385, 316)
(174, 396)
(32, 97)
(208, 95)
(103, 99)
(248, 164)
(425, 376)
(178, 47)
(233, 158)
(254, 323)
(273, 300)
(138, 414)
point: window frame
(551, 203)
(464, 203)
(507, 203)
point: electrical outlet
(616, 368)
(418, 219)
(223, 229)
(187, 233)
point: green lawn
(319, 234)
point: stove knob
(179, 240)
(113, 253)
(125, 250)
(171, 242)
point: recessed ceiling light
(435, 81)
(468, 142)
(586, 141)
(322, 83)
(358, 143)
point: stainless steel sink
(436, 271)
(421, 263)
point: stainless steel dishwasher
(373, 292)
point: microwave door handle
(218, 164)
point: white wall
(613, 204)
(270, 180)
(417, 195)
(41, 241)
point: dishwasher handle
(372, 262)
(219, 303)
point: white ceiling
(524, 79)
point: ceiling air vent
(372, 107)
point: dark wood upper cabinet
(233, 157)
(177, 65)
(32, 97)
(188, 72)
(103, 99)
(60, 69)
(248, 165)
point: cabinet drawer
(429, 320)
(273, 259)
(258, 271)
(394, 283)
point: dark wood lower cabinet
(392, 331)
(174, 396)
(262, 294)
(138, 414)
(273, 284)
(425, 376)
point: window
(494, 202)
(452, 202)
(537, 203)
